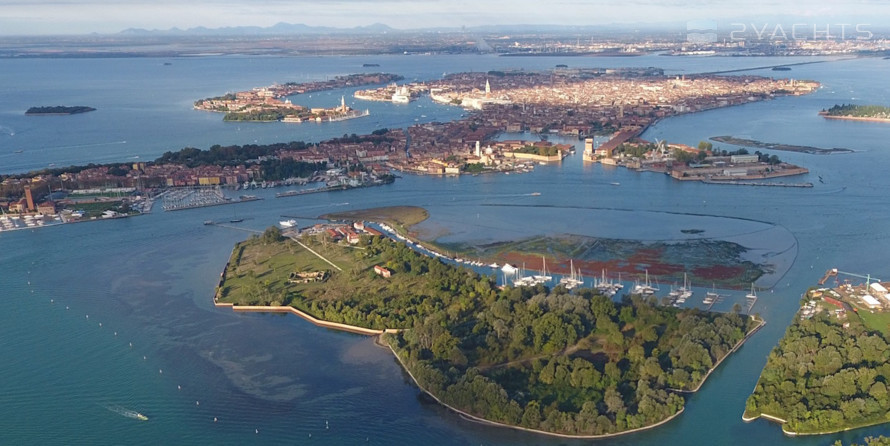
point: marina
(193, 198)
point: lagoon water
(276, 379)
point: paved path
(317, 254)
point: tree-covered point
(473, 167)
(59, 110)
(859, 111)
(227, 155)
(262, 116)
(539, 150)
(576, 364)
(824, 377)
(376, 137)
(869, 441)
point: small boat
(287, 223)
(127, 413)
(208, 222)
(236, 220)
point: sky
(47, 17)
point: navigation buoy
(197, 403)
(160, 371)
(178, 387)
(214, 419)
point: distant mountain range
(380, 28)
(277, 29)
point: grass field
(258, 272)
(879, 321)
(95, 209)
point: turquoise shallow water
(149, 279)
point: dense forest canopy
(227, 155)
(825, 377)
(859, 111)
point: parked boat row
(608, 287)
(520, 277)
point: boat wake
(123, 411)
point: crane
(834, 272)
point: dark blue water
(150, 279)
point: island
(778, 146)
(830, 371)
(58, 110)
(546, 360)
(271, 103)
(685, 163)
(872, 113)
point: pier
(758, 183)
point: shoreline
(306, 316)
(483, 421)
(782, 422)
(735, 348)
(854, 118)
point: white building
(871, 302)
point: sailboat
(752, 294)
(684, 292)
(608, 287)
(751, 298)
(646, 287)
(711, 296)
(572, 281)
(523, 280)
(543, 277)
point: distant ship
(781, 68)
(402, 95)
(370, 64)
